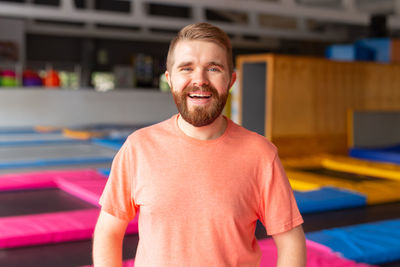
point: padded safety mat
(115, 143)
(375, 190)
(373, 243)
(54, 154)
(54, 227)
(388, 154)
(23, 139)
(328, 198)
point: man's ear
(168, 77)
(233, 79)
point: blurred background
(319, 78)
(109, 44)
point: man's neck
(208, 132)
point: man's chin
(199, 120)
(199, 124)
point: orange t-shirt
(199, 200)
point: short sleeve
(278, 208)
(117, 198)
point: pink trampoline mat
(317, 256)
(55, 227)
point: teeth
(199, 95)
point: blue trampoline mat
(17, 130)
(54, 162)
(111, 131)
(111, 126)
(34, 138)
(115, 140)
(104, 171)
(39, 142)
(114, 143)
(53, 155)
(24, 130)
(373, 243)
(328, 198)
(388, 154)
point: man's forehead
(190, 44)
(188, 52)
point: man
(200, 181)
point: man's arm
(291, 247)
(107, 241)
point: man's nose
(200, 78)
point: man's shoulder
(251, 138)
(157, 129)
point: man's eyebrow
(213, 63)
(184, 64)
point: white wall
(31, 107)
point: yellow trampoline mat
(46, 129)
(362, 167)
(376, 191)
(347, 164)
(83, 135)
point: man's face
(199, 79)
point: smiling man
(200, 181)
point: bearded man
(200, 181)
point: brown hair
(202, 32)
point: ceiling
(248, 22)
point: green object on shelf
(8, 82)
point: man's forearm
(292, 256)
(107, 251)
(291, 247)
(107, 241)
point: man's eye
(186, 69)
(214, 69)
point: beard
(200, 115)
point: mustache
(203, 88)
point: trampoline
(104, 171)
(17, 130)
(344, 173)
(376, 190)
(75, 253)
(114, 143)
(343, 164)
(78, 253)
(367, 132)
(387, 154)
(45, 155)
(16, 139)
(373, 243)
(110, 131)
(327, 198)
(51, 227)
(362, 167)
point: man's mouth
(201, 95)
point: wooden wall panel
(292, 89)
(309, 99)
(318, 92)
